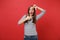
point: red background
(11, 11)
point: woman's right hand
(28, 18)
(22, 21)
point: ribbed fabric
(30, 28)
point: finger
(34, 5)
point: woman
(29, 21)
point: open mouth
(31, 13)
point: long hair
(34, 15)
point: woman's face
(31, 11)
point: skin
(31, 13)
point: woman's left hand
(35, 6)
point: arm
(22, 20)
(41, 14)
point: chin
(31, 14)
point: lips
(31, 13)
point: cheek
(30, 11)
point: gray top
(30, 28)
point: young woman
(29, 21)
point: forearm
(22, 21)
(40, 14)
(41, 9)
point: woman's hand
(22, 21)
(28, 18)
(35, 6)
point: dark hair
(34, 15)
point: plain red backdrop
(48, 27)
